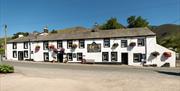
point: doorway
(20, 55)
(124, 58)
(60, 57)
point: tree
(16, 35)
(53, 31)
(134, 21)
(112, 23)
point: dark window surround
(26, 45)
(79, 56)
(81, 44)
(59, 44)
(124, 43)
(14, 46)
(45, 45)
(116, 57)
(47, 54)
(70, 55)
(106, 42)
(14, 54)
(141, 41)
(107, 54)
(69, 44)
(26, 52)
(139, 56)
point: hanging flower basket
(51, 47)
(167, 54)
(132, 44)
(155, 53)
(74, 46)
(37, 48)
(62, 50)
(115, 45)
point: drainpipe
(146, 48)
(29, 49)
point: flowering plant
(37, 48)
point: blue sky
(31, 15)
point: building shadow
(169, 73)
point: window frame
(25, 54)
(103, 59)
(68, 44)
(14, 45)
(68, 56)
(141, 41)
(82, 42)
(124, 43)
(116, 57)
(78, 54)
(139, 57)
(15, 56)
(26, 45)
(59, 44)
(45, 45)
(106, 42)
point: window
(113, 56)
(45, 45)
(25, 45)
(59, 44)
(123, 43)
(81, 43)
(69, 44)
(69, 56)
(141, 42)
(14, 45)
(79, 56)
(25, 54)
(137, 57)
(14, 54)
(106, 42)
(105, 56)
(46, 56)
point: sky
(34, 15)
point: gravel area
(76, 77)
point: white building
(132, 46)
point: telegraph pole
(5, 40)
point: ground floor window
(46, 56)
(69, 56)
(113, 56)
(105, 56)
(79, 56)
(25, 54)
(138, 57)
(14, 54)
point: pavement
(40, 76)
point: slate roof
(88, 34)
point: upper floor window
(106, 42)
(14, 45)
(59, 44)
(69, 43)
(141, 42)
(81, 44)
(124, 43)
(25, 45)
(45, 45)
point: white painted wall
(149, 47)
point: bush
(6, 68)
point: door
(60, 57)
(124, 58)
(20, 55)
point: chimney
(46, 30)
(95, 28)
